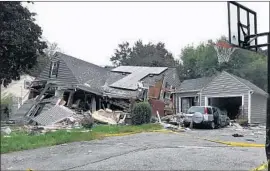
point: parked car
(210, 116)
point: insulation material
(107, 116)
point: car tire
(212, 125)
(186, 124)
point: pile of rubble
(172, 122)
(60, 117)
(67, 119)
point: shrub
(87, 122)
(141, 113)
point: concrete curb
(262, 167)
(131, 133)
(237, 144)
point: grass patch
(20, 140)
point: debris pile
(61, 117)
(54, 115)
(5, 130)
(107, 116)
(171, 122)
(176, 119)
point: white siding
(258, 108)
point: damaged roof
(85, 72)
(170, 76)
(120, 81)
(135, 74)
(53, 115)
(74, 71)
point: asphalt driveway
(145, 151)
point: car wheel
(212, 125)
(227, 122)
(186, 124)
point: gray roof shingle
(53, 115)
(250, 85)
(199, 83)
(93, 78)
(83, 71)
(194, 84)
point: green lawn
(20, 140)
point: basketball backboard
(242, 23)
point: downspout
(249, 106)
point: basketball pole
(267, 143)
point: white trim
(220, 96)
(205, 101)
(180, 104)
(200, 99)
(189, 96)
(188, 91)
(232, 95)
(249, 107)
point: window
(27, 84)
(54, 69)
(194, 109)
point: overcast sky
(92, 30)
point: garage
(232, 105)
(239, 97)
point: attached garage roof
(198, 84)
(250, 85)
(194, 84)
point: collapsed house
(69, 86)
(239, 97)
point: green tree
(43, 59)
(20, 41)
(143, 55)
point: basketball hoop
(224, 51)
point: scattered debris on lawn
(236, 125)
(187, 129)
(5, 130)
(171, 122)
(176, 119)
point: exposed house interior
(233, 105)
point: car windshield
(195, 109)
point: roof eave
(188, 91)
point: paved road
(250, 135)
(145, 151)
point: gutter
(189, 91)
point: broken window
(54, 69)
